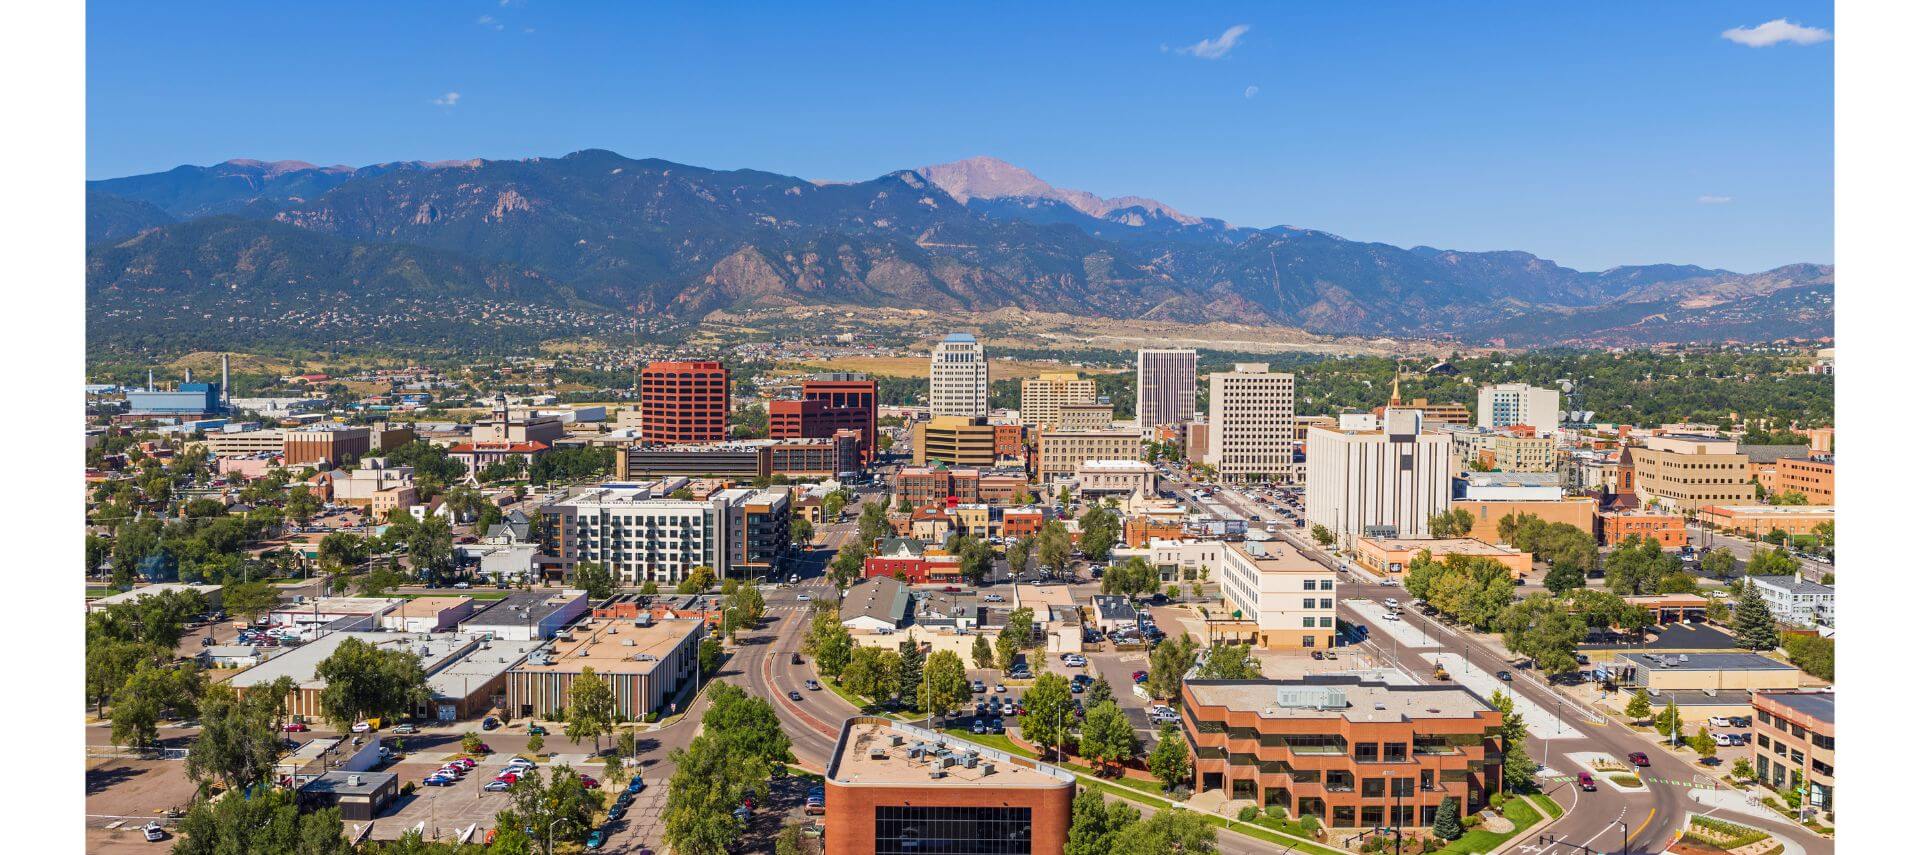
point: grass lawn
(1546, 803)
(1523, 816)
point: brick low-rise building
(1352, 754)
(1669, 529)
(1793, 742)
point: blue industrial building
(187, 399)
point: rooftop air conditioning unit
(876, 753)
(937, 774)
(353, 780)
(986, 769)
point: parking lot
(445, 811)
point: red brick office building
(684, 403)
(830, 403)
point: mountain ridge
(646, 237)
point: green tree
(301, 504)
(870, 672)
(150, 693)
(1811, 653)
(711, 777)
(1095, 822)
(1322, 535)
(364, 681)
(834, 651)
(982, 652)
(946, 679)
(697, 580)
(1099, 531)
(1168, 664)
(555, 803)
(590, 708)
(873, 524)
(747, 721)
(1563, 577)
(801, 530)
(268, 822)
(1753, 622)
(1446, 821)
(535, 743)
(1702, 744)
(343, 550)
(594, 578)
(1168, 761)
(1106, 738)
(1637, 564)
(1719, 563)
(1230, 662)
(1772, 562)
(1518, 765)
(1541, 627)
(1668, 721)
(711, 654)
(848, 564)
(1098, 692)
(1018, 555)
(1452, 523)
(1015, 634)
(240, 737)
(1639, 706)
(1132, 578)
(1054, 548)
(907, 684)
(1049, 711)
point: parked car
(408, 727)
(1318, 655)
(1505, 676)
(1162, 714)
(1139, 676)
(1000, 688)
(1719, 721)
(438, 780)
(636, 785)
(979, 687)
(154, 832)
(1639, 758)
(520, 762)
(617, 813)
(489, 723)
(296, 727)
(1586, 782)
(796, 658)
(996, 726)
(589, 782)
(497, 786)
(1742, 721)
(1724, 740)
(536, 730)
(362, 727)
(803, 598)
(597, 839)
(979, 726)
(507, 777)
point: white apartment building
(359, 486)
(1794, 600)
(958, 380)
(1042, 397)
(222, 444)
(1165, 386)
(1287, 597)
(640, 537)
(1177, 558)
(1250, 425)
(1377, 483)
(1504, 404)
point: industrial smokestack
(149, 379)
(189, 376)
(226, 387)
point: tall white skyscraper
(1385, 480)
(1506, 404)
(1250, 425)
(958, 382)
(1164, 386)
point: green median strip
(1546, 803)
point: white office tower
(959, 378)
(1384, 482)
(1250, 425)
(1506, 404)
(1164, 386)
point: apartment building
(1377, 483)
(642, 537)
(1091, 416)
(1685, 472)
(759, 531)
(958, 378)
(1522, 453)
(1507, 404)
(1061, 452)
(955, 441)
(1165, 386)
(1435, 413)
(1795, 600)
(1041, 397)
(684, 402)
(1279, 597)
(1250, 419)
(1793, 742)
(1350, 753)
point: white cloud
(490, 22)
(447, 100)
(1252, 91)
(1217, 48)
(1714, 200)
(1775, 32)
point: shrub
(1249, 813)
(407, 788)
(1276, 812)
(1625, 780)
(1497, 800)
(651, 717)
(1472, 821)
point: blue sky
(1590, 134)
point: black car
(793, 695)
(1505, 676)
(796, 658)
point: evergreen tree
(982, 652)
(1753, 622)
(1446, 823)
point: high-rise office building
(1383, 481)
(1164, 387)
(683, 402)
(1505, 404)
(829, 403)
(1250, 425)
(958, 380)
(1042, 397)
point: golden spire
(1395, 400)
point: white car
(154, 832)
(1723, 740)
(519, 763)
(1075, 660)
(1719, 721)
(1391, 616)
(1392, 603)
(1162, 714)
(803, 598)
(361, 727)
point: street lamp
(550, 825)
(1623, 837)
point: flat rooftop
(435, 651)
(1351, 698)
(1816, 704)
(342, 606)
(616, 646)
(1708, 662)
(344, 783)
(877, 752)
(523, 607)
(1448, 545)
(428, 606)
(1276, 557)
(460, 676)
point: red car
(483, 748)
(296, 727)
(1639, 759)
(508, 777)
(1586, 782)
(588, 782)
(1139, 676)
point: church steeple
(1395, 400)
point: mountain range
(594, 231)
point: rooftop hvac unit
(626, 642)
(937, 773)
(986, 769)
(972, 760)
(895, 740)
(353, 780)
(876, 753)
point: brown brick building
(683, 402)
(893, 788)
(829, 403)
(327, 444)
(1793, 742)
(1809, 476)
(1669, 529)
(1353, 754)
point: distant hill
(649, 238)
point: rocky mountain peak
(993, 178)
